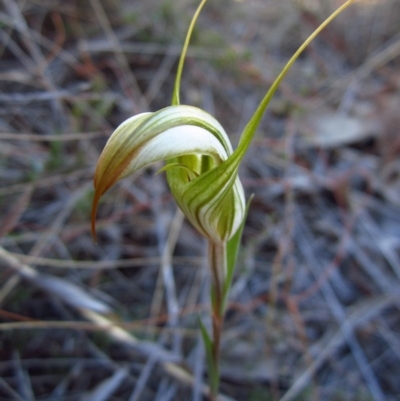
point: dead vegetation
(314, 312)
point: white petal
(175, 142)
(139, 129)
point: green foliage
(34, 171)
(232, 251)
(167, 13)
(101, 339)
(260, 393)
(213, 369)
(130, 17)
(55, 159)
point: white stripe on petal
(175, 142)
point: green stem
(218, 265)
(175, 96)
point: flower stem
(218, 265)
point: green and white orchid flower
(194, 145)
(201, 167)
(202, 173)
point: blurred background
(314, 309)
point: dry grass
(314, 312)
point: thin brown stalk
(217, 260)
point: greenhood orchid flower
(194, 144)
(201, 167)
(202, 173)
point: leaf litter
(314, 312)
